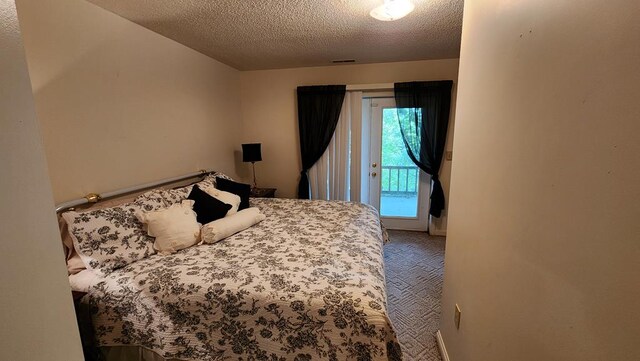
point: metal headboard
(97, 197)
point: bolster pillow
(222, 228)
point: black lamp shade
(251, 152)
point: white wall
(543, 246)
(269, 112)
(37, 314)
(119, 104)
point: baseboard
(441, 347)
(436, 232)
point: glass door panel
(399, 176)
(397, 187)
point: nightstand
(263, 192)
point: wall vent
(342, 61)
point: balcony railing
(399, 180)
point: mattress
(307, 283)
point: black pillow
(240, 189)
(207, 208)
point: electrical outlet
(456, 317)
(448, 155)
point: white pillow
(225, 197)
(174, 228)
(225, 227)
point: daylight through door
(398, 189)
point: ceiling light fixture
(392, 10)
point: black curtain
(423, 113)
(318, 113)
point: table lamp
(251, 153)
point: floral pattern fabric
(307, 283)
(177, 195)
(151, 201)
(110, 238)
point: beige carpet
(414, 265)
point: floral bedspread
(307, 283)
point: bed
(307, 283)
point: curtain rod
(378, 86)
(95, 197)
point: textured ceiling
(270, 34)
